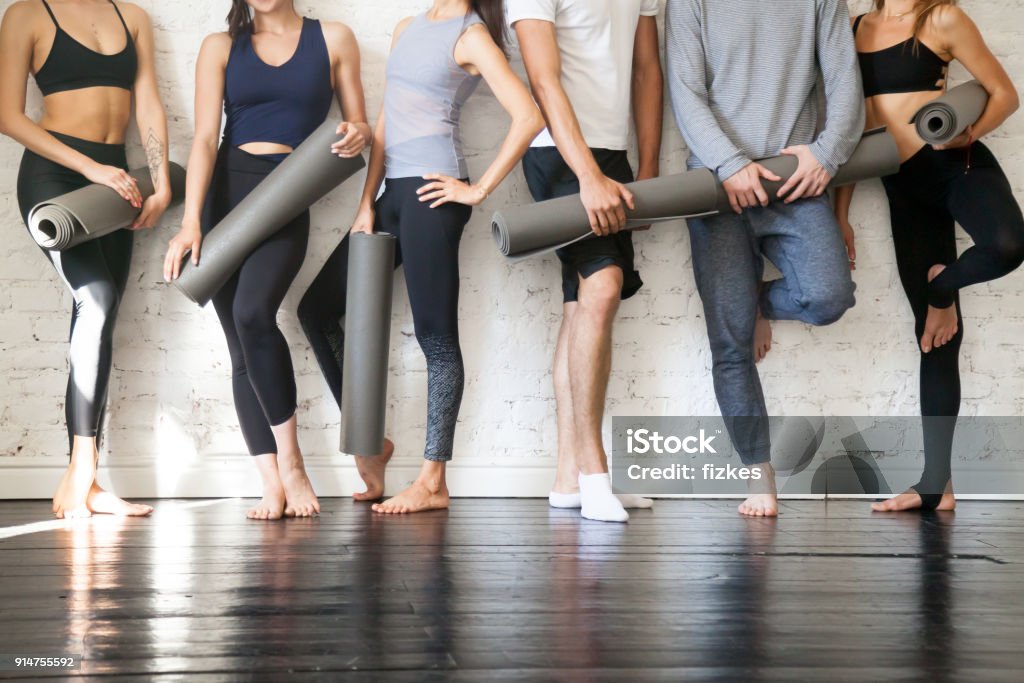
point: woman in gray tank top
(437, 60)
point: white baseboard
(233, 476)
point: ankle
(432, 477)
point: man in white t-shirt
(591, 63)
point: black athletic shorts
(549, 177)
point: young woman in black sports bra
(905, 47)
(90, 59)
(274, 75)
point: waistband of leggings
(236, 159)
(102, 152)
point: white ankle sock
(597, 500)
(573, 501)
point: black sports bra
(900, 68)
(72, 66)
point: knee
(100, 305)
(1011, 253)
(828, 307)
(252, 319)
(601, 293)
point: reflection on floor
(510, 590)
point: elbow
(1012, 102)
(532, 123)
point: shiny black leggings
(932, 191)
(428, 242)
(262, 376)
(95, 273)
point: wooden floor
(510, 590)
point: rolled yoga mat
(942, 119)
(93, 211)
(371, 274)
(544, 226)
(301, 180)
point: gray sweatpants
(805, 243)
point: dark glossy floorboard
(509, 590)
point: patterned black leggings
(428, 247)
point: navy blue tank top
(281, 104)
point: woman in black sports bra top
(905, 47)
(90, 59)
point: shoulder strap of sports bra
(119, 16)
(856, 23)
(50, 12)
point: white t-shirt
(596, 39)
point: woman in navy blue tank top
(92, 62)
(437, 60)
(275, 73)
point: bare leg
(371, 469)
(941, 324)
(567, 473)
(428, 492)
(589, 364)
(911, 500)
(71, 498)
(272, 505)
(763, 500)
(300, 501)
(762, 337)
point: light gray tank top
(423, 99)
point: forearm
(33, 137)
(522, 132)
(648, 112)
(375, 169)
(841, 202)
(1002, 104)
(152, 124)
(565, 129)
(201, 162)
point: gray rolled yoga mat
(371, 272)
(93, 211)
(544, 226)
(942, 119)
(302, 179)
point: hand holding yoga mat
(93, 211)
(944, 118)
(364, 376)
(538, 228)
(301, 180)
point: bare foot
(271, 506)
(300, 501)
(71, 499)
(762, 501)
(762, 337)
(371, 469)
(105, 503)
(428, 492)
(941, 324)
(911, 500)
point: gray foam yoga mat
(944, 118)
(544, 226)
(92, 211)
(371, 273)
(302, 179)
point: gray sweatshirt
(743, 75)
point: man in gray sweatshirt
(743, 76)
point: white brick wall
(171, 410)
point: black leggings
(428, 246)
(96, 274)
(933, 190)
(263, 380)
